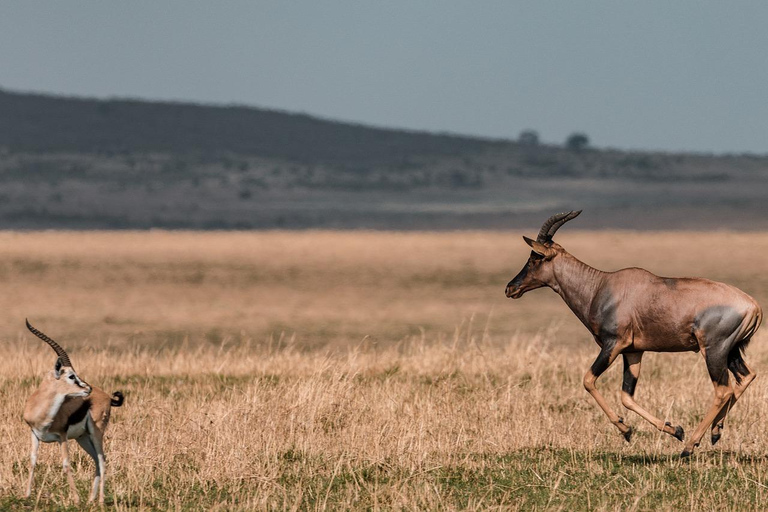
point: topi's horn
(55, 346)
(553, 224)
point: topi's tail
(117, 399)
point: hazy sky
(671, 75)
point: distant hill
(38, 123)
(87, 163)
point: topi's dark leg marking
(629, 381)
(632, 362)
(608, 354)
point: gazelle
(632, 311)
(65, 407)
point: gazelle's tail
(117, 399)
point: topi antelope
(632, 311)
(65, 407)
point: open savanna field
(311, 370)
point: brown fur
(632, 311)
(97, 405)
(51, 424)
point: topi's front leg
(607, 356)
(631, 375)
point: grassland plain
(311, 370)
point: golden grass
(362, 370)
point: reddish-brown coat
(632, 311)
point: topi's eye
(71, 377)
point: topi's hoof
(679, 432)
(685, 454)
(716, 435)
(628, 434)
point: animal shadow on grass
(709, 457)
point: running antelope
(632, 311)
(65, 407)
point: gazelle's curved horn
(55, 346)
(553, 224)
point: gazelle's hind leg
(95, 449)
(631, 374)
(98, 443)
(87, 445)
(743, 375)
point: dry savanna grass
(313, 370)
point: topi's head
(537, 272)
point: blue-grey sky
(680, 75)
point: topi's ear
(57, 368)
(539, 248)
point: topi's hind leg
(744, 375)
(722, 333)
(723, 394)
(631, 374)
(746, 380)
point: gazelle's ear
(538, 247)
(57, 369)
